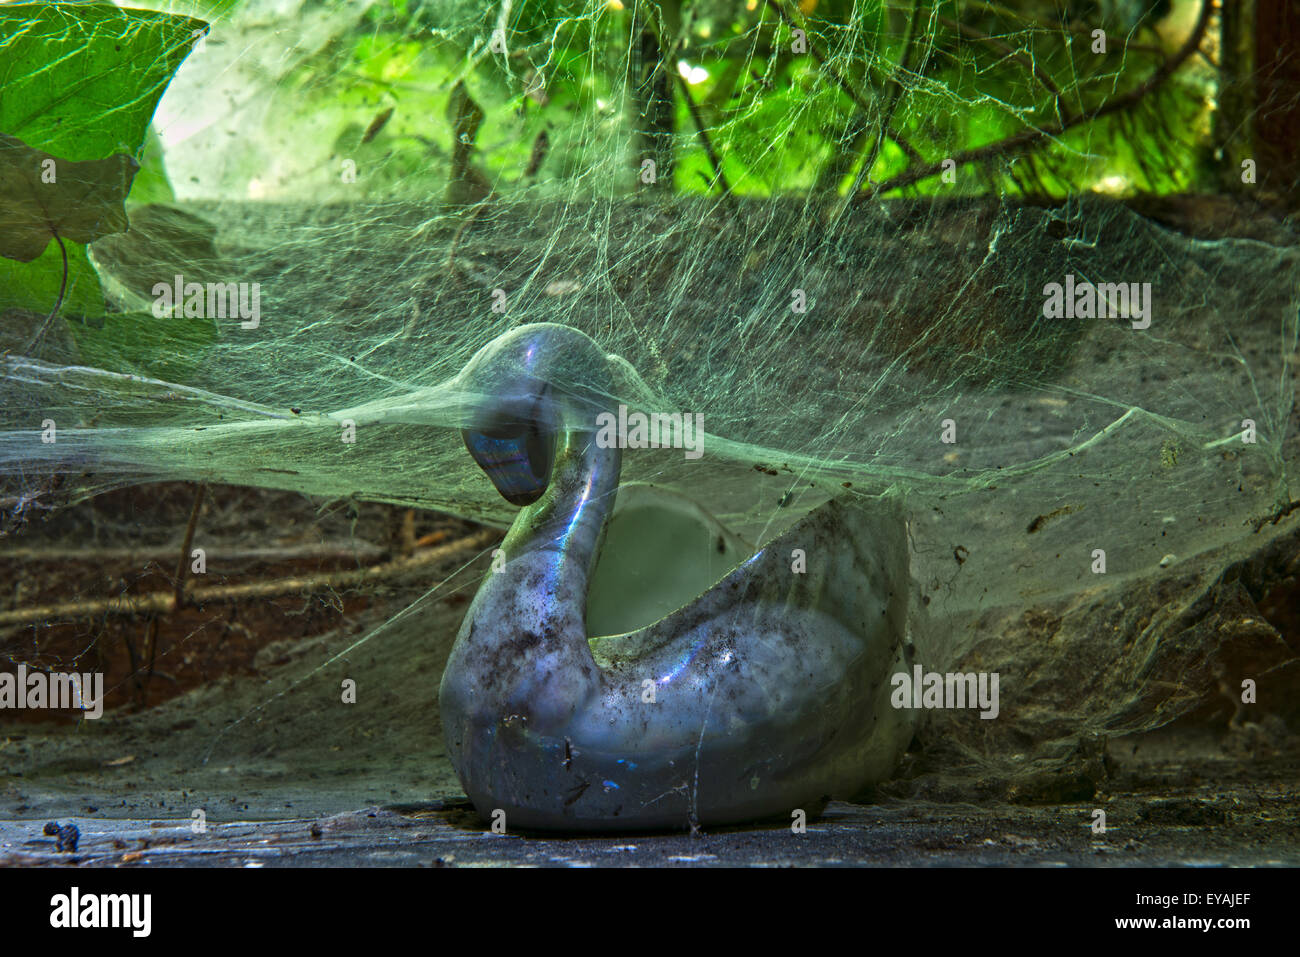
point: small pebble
(66, 836)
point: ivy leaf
(83, 79)
(79, 80)
(42, 196)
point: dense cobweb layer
(1125, 428)
(894, 343)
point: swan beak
(518, 466)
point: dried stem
(163, 601)
(183, 565)
(58, 303)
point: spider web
(750, 205)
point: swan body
(764, 695)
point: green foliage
(956, 76)
(151, 183)
(81, 81)
(43, 196)
(34, 286)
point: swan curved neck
(523, 645)
(554, 543)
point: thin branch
(895, 94)
(1007, 51)
(908, 149)
(703, 134)
(162, 601)
(844, 84)
(1032, 136)
(151, 643)
(178, 595)
(183, 565)
(820, 57)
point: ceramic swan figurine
(766, 694)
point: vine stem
(58, 303)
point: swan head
(513, 441)
(523, 391)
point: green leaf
(34, 286)
(42, 196)
(82, 80)
(151, 183)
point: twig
(178, 593)
(820, 57)
(895, 93)
(719, 176)
(844, 84)
(1032, 136)
(133, 662)
(908, 149)
(183, 565)
(1019, 57)
(151, 642)
(160, 601)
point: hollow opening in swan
(661, 551)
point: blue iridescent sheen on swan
(766, 694)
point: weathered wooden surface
(1224, 830)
